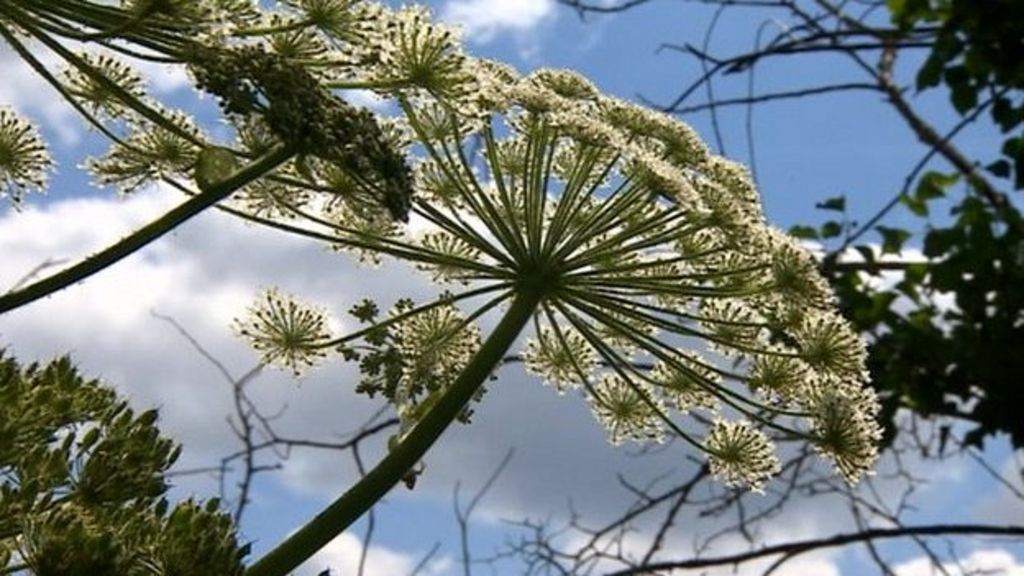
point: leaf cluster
(976, 53)
(945, 332)
(386, 368)
(83, 484)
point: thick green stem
(148, 233)
(340, 514)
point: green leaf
(932, 185)
(831, 229)
(963, 93)
(892, 239)
(916, 206)
(999, 169)
(807, 232)
(1005, 115)
(868, 254)
(930, 73)
(938, 242)
(835, 204)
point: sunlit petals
(451, 252)
(285, 332)
(733, 326)
(24, 160)
(148, 154)
(563, 358)
(778, 374)
(741, 455)
(435, 346)
(687, 383)
(410, 51)
(362, 230)
(844, 428)
(793, 275)
(828, 343)
(97, 96)
(628, 410)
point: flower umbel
(285, 332)
(741, 455)
(24, 160)
(626, 410)
(658, 288)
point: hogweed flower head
(627, 409)
(97, 96)
(660, 288)
(740, 454)
(24, 160)
(285, 331)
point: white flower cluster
(648, 249)
(285, 331)
(24, 160)
(661, 289)
(435, 346)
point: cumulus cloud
(342, 555)
(29, 94)
(636, 544)
(986, 561)
(203, 276)
(483, 20)
(1004, 504)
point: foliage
(82, 484)
(945, 333)
(976, 53)
(944, 342)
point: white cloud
(203, 275)
(1004, 505)
(163, 78)
(29, 94)
(367, 99)
(989, 561)
(483, 20)
(636, 544)
(342, 554)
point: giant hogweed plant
(636, 264)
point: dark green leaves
(932, 186)
(81, 484)
(835, 204)
(805, 232)
(892, 239)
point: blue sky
(207, 272)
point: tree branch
(803, 546)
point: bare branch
(791, 549)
